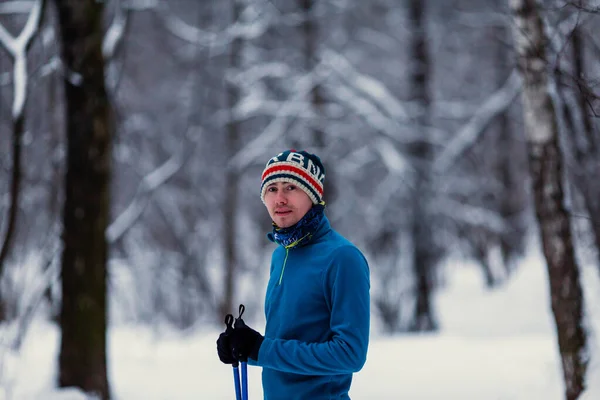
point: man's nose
(281, 197)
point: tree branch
(146, 188)
(467, 135)
(17, 48)
(276, 127)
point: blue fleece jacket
(317, 319)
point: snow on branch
(369, 112)
(394, 161)
(194, 35)
(468, 133)
(17, 48)
(16, 7)
(376, 90)
(147, 186)
(470, 214)
(114, 34)
(8, 41)
(140, 5)
(369, 99)
(250, 76)
(278, 124)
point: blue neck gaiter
(301, 232)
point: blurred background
(415, 108)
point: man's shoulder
(341, 240)
(340, 245)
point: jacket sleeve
(346, 285)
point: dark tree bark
(423, 261)
(231, 200)
(310, 33)
(83, 315)
(546, 169)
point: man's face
(286, 203)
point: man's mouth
(282, 212)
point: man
(317, 299)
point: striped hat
(301, 168)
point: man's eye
(291, 187)
(271, 189)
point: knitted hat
(301, 168)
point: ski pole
(236, 382)
(236, 371)
(244, 380)
(244, 362)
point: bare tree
(424, 259)
(577, 96)
(83, 316)
(231, 200)
(17, 48)
(546, 168)
(310, 33)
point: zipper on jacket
(287, 251)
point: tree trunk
(231, 203)
(309, 29)
(18, 128)
(423, 262)
(15, 190)
(587, 158)
(310, 34)
(546, 168)
(83, 316)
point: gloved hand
(224, 349)
(245, 341)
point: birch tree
(546, 169)
(17, 48)
(576, 92)
(588, 155)
(83, 316)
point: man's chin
(285, 222)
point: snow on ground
(495, 345)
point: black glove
(224, 349)
(245, 341)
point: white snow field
(494, 345)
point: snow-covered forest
(133, 134)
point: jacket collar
(323, 228)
